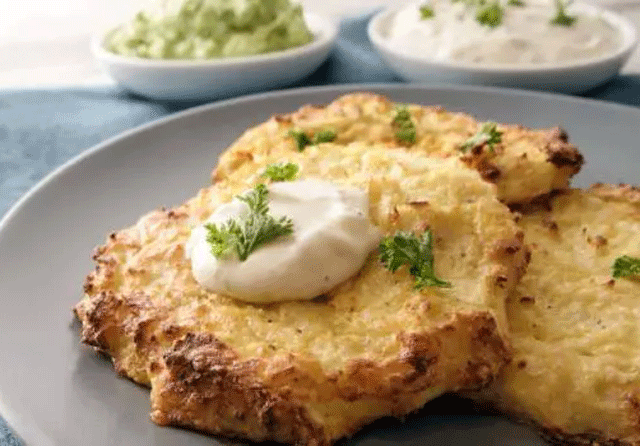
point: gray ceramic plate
(54, 391)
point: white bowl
(195, 80)
(572, 77)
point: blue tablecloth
(41, 129)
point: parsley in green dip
(211, 29)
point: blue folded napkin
(41, 129)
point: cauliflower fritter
(311, 372)
(575, 329)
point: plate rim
(10, 417)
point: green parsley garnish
(402, 115)
(281, 171)
(405, 128)
(407, 134)
(515, 3)
(561, 18)
(426, 12)
(490, 15)
(405, 248)
(324, 136)
(625, 266)
(488, 134)
(303, 140)
(244, 235)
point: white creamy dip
(525, 36)
(332, 237)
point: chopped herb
(515, 3)
(405, 127)
(625, 266)
(490, 15)
(561, 18)
(405, 248)
(281, 172)
(406, 134)
(402, 115)
(488, 134)
(426, 12)
(244, 235)
(324, 136)
(301, 139)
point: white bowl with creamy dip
(525, 50)
(198, 80)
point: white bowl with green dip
(210, 49)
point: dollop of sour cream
(524, 37)
(332, 237)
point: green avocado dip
(211, 29)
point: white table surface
(46, 42)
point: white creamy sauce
(525, 36)
(332, 237)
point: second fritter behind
(523, 163)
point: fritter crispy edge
(204, 386)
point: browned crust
(561, 153)
(540, 203)
(557, 437)
(553, 435)
(206, 386)
(614, 192)
(107, 318)
(477, 159)
(203, 383)
(617, 192)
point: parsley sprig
(404, 248)
(625, 266)
(490, 15)
(519, 3)
(244, 235)
(303, 140)
(404, 125)
(561, 18)
(281, 171)
(426, 12)
(488, 134)
(324, 136)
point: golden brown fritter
(526, 164)
(311, 372)
(575, 330)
